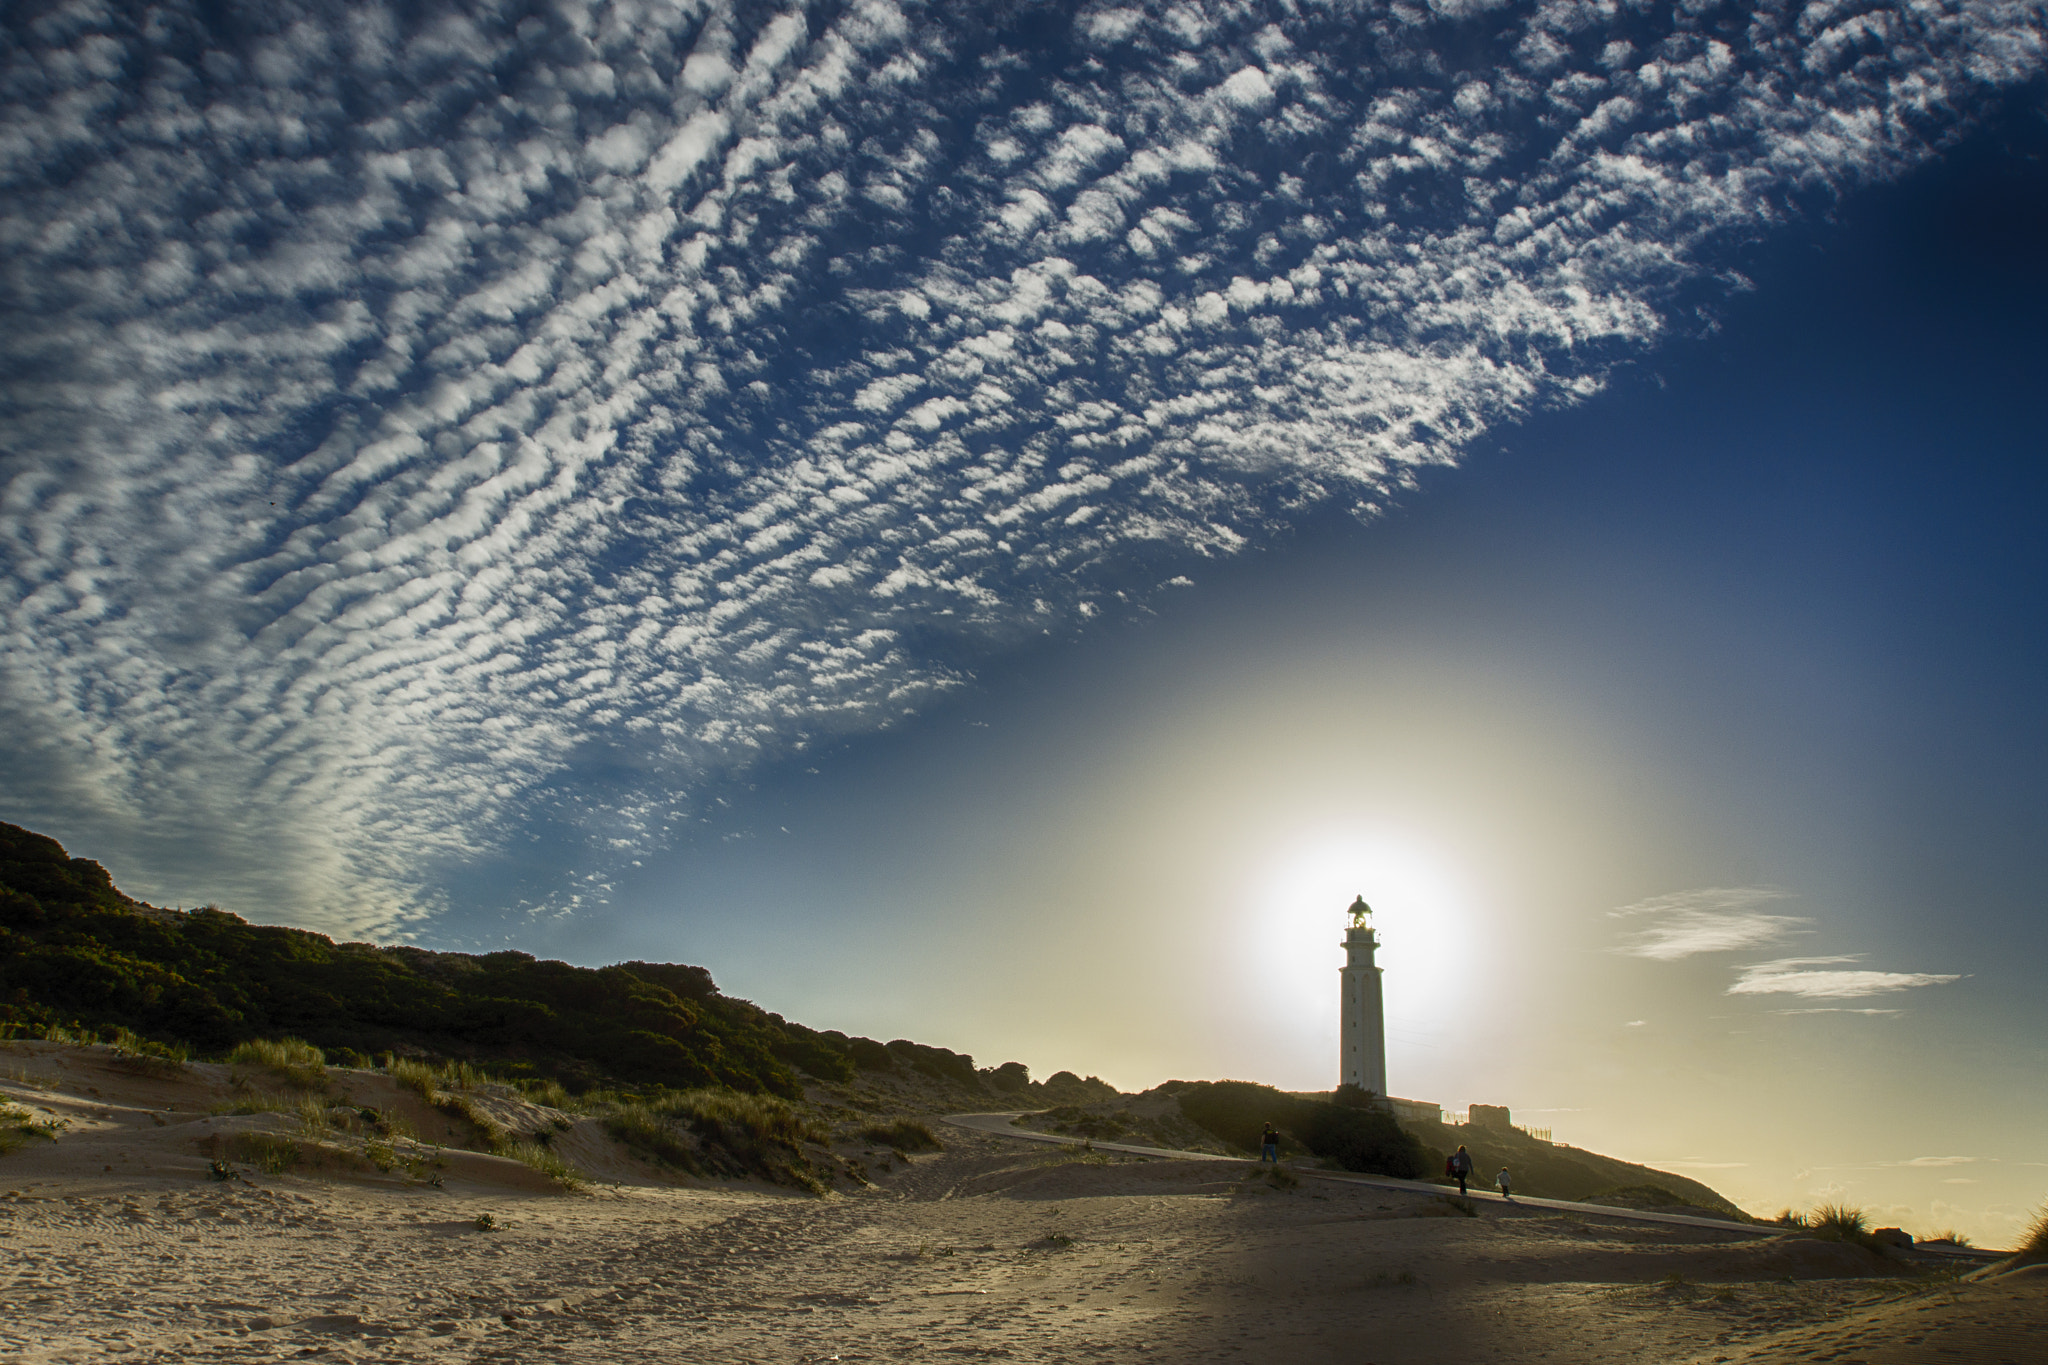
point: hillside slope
(77, 953)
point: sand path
(985, 1251)
(1001, 1123)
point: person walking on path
(1269, 1146)
(1460, 1166)
(1502, 1181)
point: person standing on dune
(1269, 1145)
(1460, 1166)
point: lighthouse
(1363, 1042)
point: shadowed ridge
(76, 954)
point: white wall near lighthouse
(1362, 1039)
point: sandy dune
(991, 1249)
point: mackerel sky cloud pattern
(407, 409)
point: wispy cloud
(1835, 1009)
(1714, 919)
(1818, 978)
(422, 424)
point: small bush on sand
(1950, 1236)
(1790, 1218)
(907, 1135)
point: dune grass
(145, 1056)
(545, 1160)
(270, 1153)
(2035, 1247)
(1840, 1222)
(19, 1127)
(417, 1077)
(549, 1093)
(302, 1065)
(719, 1132)
(904, 1135)
(652, 1134)
(34, 1080)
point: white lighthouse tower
(1363, 1043)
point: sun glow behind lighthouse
(1428, 915)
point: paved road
(1000, 1125)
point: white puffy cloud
(408, 413)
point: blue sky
(994, 533)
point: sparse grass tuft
(302, 1065)
(547, 1162)
(133, 1052)
(742, 1135)
(19, 1127)
(267, 1152)
(652, 1134)
(417, 1077)
(486, 1223)
(908, 1135)
(548, 1092)
(1790, 1218)
(1952, 1237)
(1467, 1207)
(259, 1102)
(1840, 1222)
(276, 1052)
(2036, 1245)
(465, 1107)
(34, 1080)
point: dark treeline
(76, 953)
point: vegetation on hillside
(1556, 1171)
(76, 954)
(1353, 1137)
